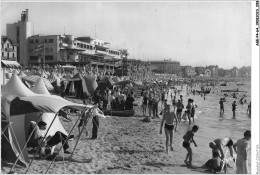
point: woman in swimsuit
(169, 118)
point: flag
(38, 48)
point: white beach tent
(40, 87)
(19, 106)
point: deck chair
(34, 144)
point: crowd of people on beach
(172, 109)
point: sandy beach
(125, 145)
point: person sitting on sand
(188, 138)
(219, 144)
(215, 164)
(169, 118)
(50, 141)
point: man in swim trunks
(169, 118)
(234, 105)
(179, 106)
(219, 144)
(221, 103)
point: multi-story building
(245, 71)
(187, 71)
(234, 72)
(8, 49)
(19, 33)
(214, 70)
(200, 70)
(221, 72)
(166, 66)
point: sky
(194, 33)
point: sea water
(212, 125)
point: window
(7, 54)
(49, 57)
(50, 40)
(33, 58)
(3, 54)
(36, 41)
(45, 40)
(88, 47)
(13, 47)
(31, 41)
(85, 46)
(13, 55)
(7, 45)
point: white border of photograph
(255, 95)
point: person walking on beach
(193, 106)
(188, 109)
(242, 150)
(219, 145)
(221, 103)
(234, 109)
(169, 118)
(179, 106)
(150, 104)
(174, 103)
(96, 114)
(249, 109)
(188, 138)
(145, 100)
(156, 100)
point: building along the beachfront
(187, 71)
(166, 66)
(200, 70)
(19, 32)
(234, 72)
(245, 71)
(214, 70)
(60, 49)
(8, 49)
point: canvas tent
(19, 106)
(79, 86)
(39, 87)
(106, 82)
(33, 78)
(91, 83)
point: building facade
(187, 71)
(234, 72)
(200, 70)
(166, 66)
(8, 49)
(214, 70)
(19, 33)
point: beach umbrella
(40, 87)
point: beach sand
(124, 145)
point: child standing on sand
(188, 138)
